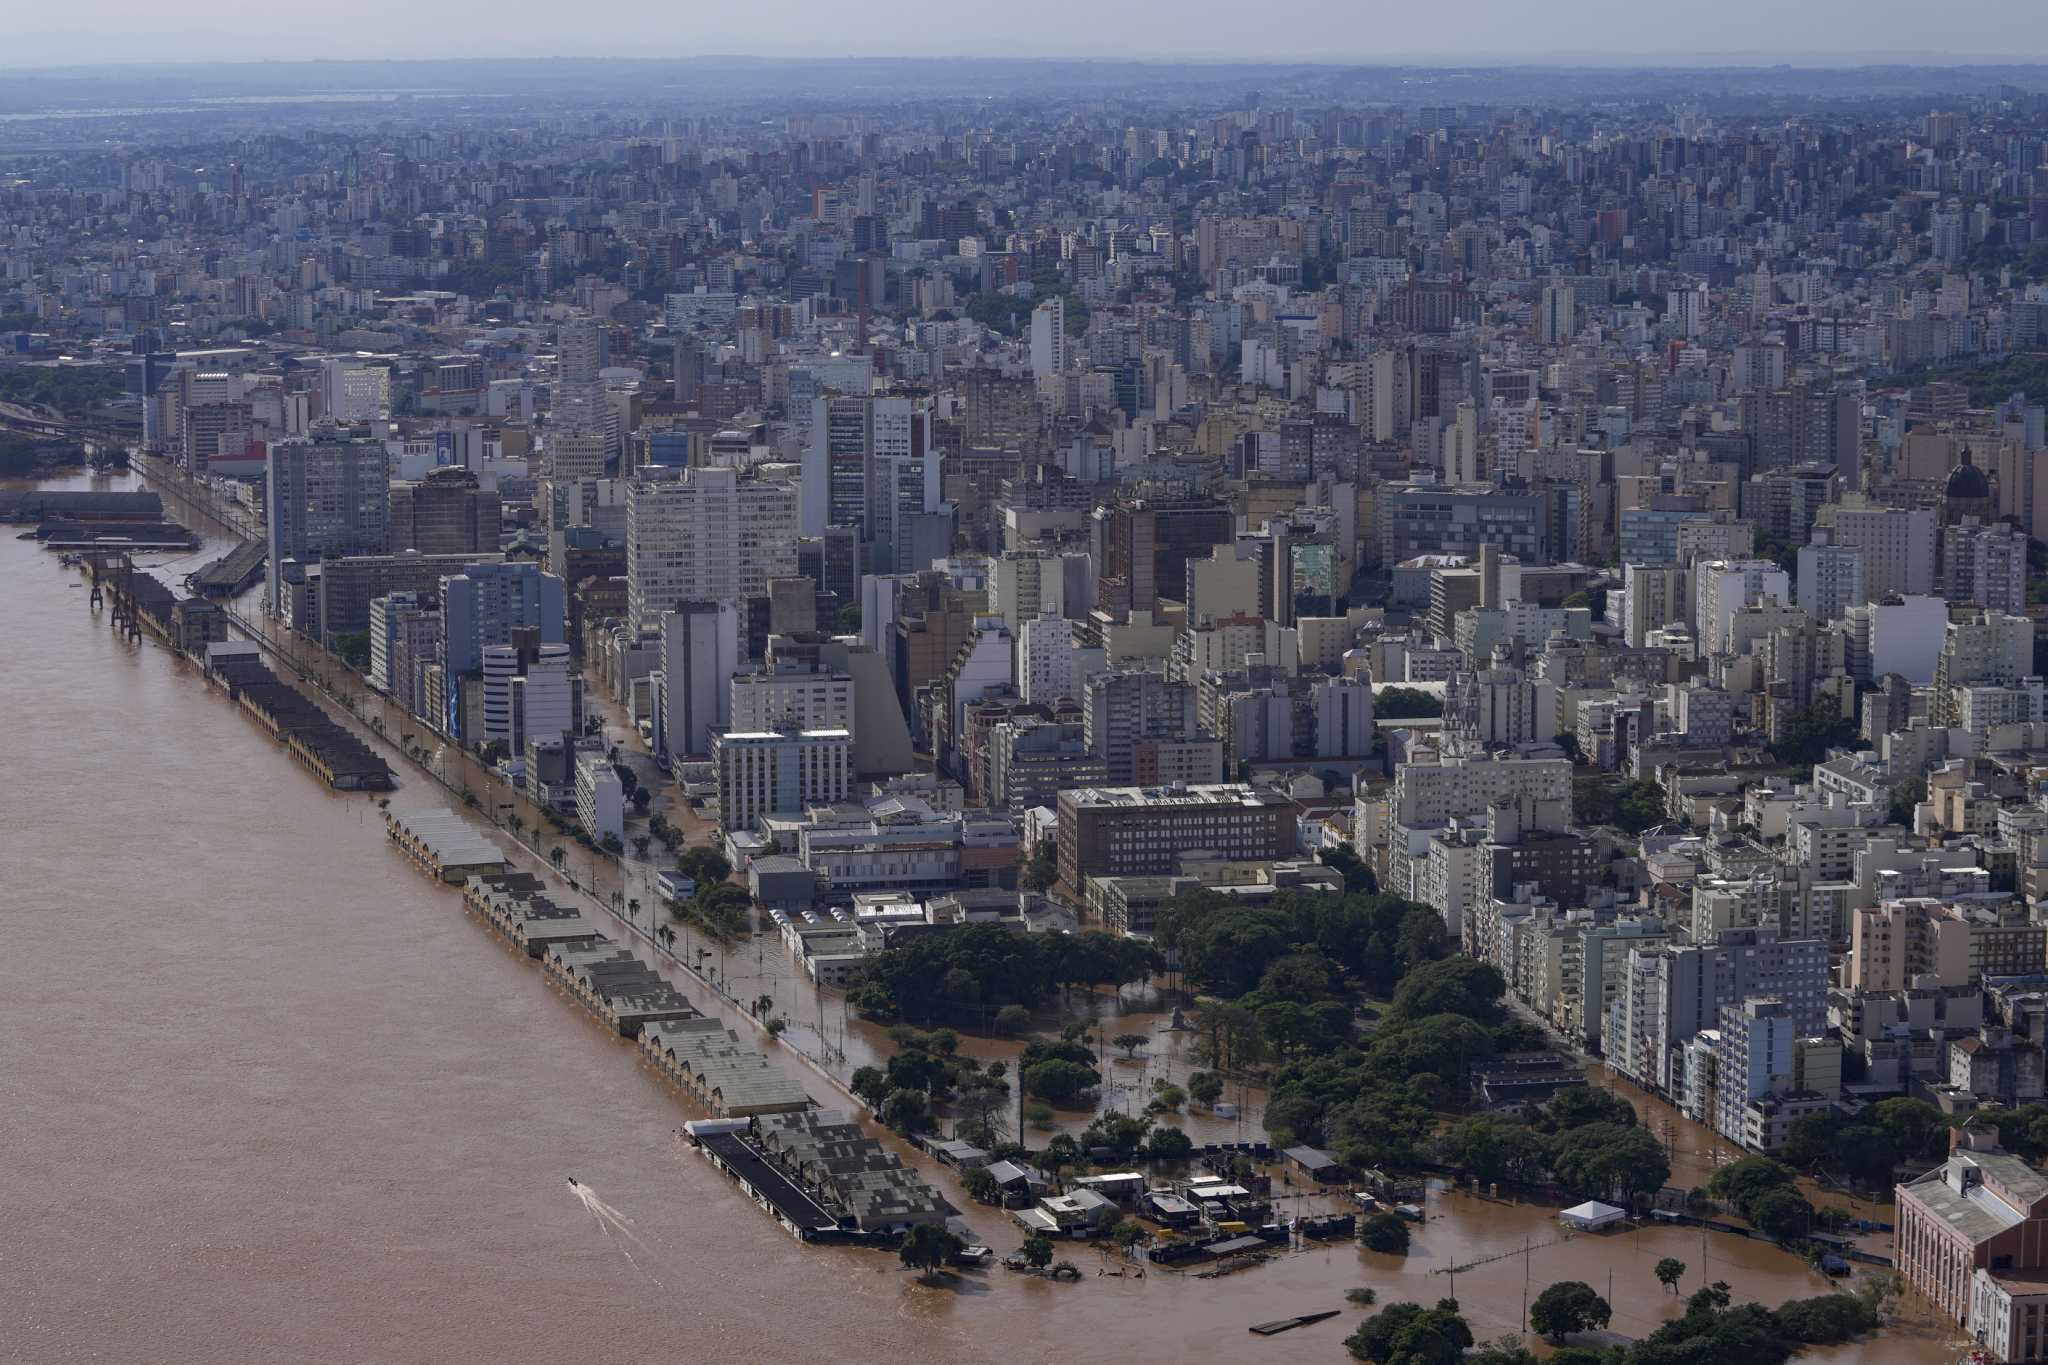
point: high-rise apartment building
(1122, 708)
(1985, 566)
(1830, 580)
(1673, 991)
(1555, 323)
(709, 535)
(1049, 338)
(1898, 545)
(1723, 587)
(485, 603)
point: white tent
(1592, 1214)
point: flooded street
(267, 1094)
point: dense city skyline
(771, 701)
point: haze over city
(1831, 32)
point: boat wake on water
(615, 1225)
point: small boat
(1279, 1325)
(572, 1183)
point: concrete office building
(779, 772)
(530, 690)
(1049, 663)
(344, 588)
(1025, 584)
(386, 614)
(792, 694)
(1342, 708)
(1140, 831)
(326, 497)
(1141, 549)
(701, 652)
(838, 465)
(416, 669)
(1436, 519)
(1653, 597)
(446, 513)
(1902, 636)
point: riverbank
(331, 1128)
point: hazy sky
(1325, 30)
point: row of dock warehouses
(817, 1173)
(94, 519)
(198, 629)
(312, 737)
(145, 602)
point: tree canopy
(1567, 1307)
(1409, 1334)
(1406, 703)
(1811, 732)
(975, 971)
(1371, 939)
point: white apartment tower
(1898, 545)
(1049, 338)
(708, 536)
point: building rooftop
(1221, 793)
(446, 836)
(1974, 1210)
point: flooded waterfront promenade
(267, 1094)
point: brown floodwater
(266, 1094)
